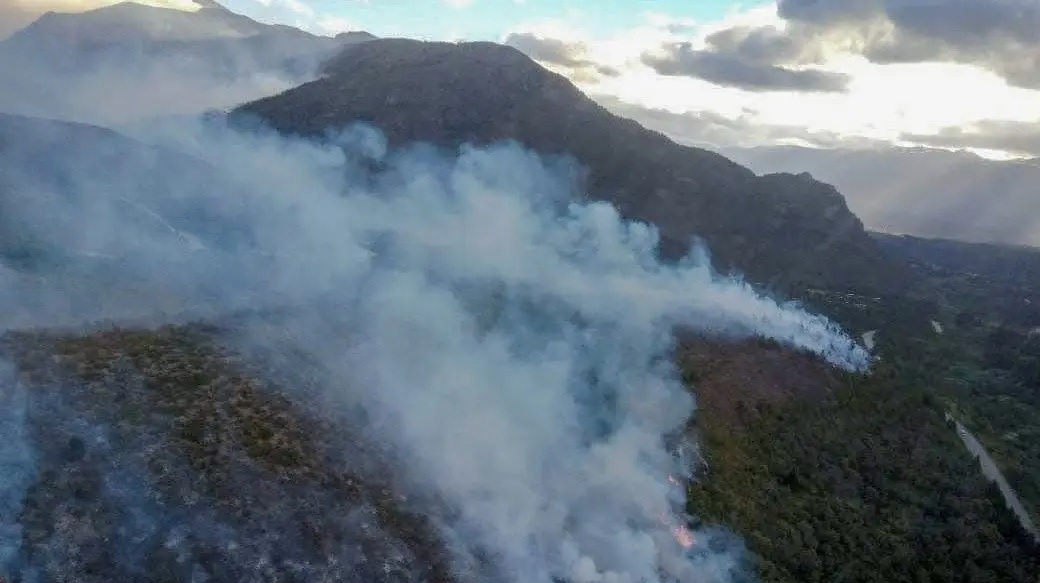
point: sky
(956, 74)
(467, 19)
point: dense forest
(862, 478)
(870, 485)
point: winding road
(993, 473)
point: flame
(680, 533)
(683, 536)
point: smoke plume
(509, 342)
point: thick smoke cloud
(509, 342)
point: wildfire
(680, 533)
(683, 536)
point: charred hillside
(784, 230)
(158, 455)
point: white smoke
(16, 461)
(511, 343)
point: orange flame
(680, 533)
(683, 536)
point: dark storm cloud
(764, 44)
(734, 69)
(958, 22)
(827, 12)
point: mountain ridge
(785, 231)
(923, 192)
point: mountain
(920, 191)
(785, 230)
(128, 61)
(129, 22)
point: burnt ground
(734, 380)
(159, 458)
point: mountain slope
(128, 61)
(783, 230)
(157, 456)
(918, 191)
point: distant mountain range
(784, 230)
(919, 191)
(128, 61)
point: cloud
(712, 130)
(569, 55)
(999, 36)
(732, 69)
(1020, 138)
(764, 44)
(297, 8)
(755, 67)
(962, 22)
(335, 25)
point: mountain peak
(355, 36)
(446, 66)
